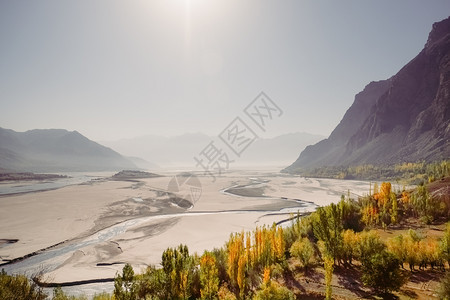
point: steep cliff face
(330, 151)
(404, 118)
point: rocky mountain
(404, 118)
(56, 150)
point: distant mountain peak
(56, 150)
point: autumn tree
(235, 249)
(369, 243)
(208, 276)
(394, 209)
(428, 253)
(241, 275)
(350, 241)
(411, 242)
(397, 246)
(179, 269)
(329, 266)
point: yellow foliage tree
(328, 263)
(209, 277)
(241, 278)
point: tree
(235, 249)
(394, 209)
(381, 271)
(427, 207)
(304, 251)
(397, 246)
(19, 287)
(411, 242)
(369, 244)
(241, 275)
(153, 283)
(444, 244)
(328, 265)
(327, 226)
(180, 272)
(209, 277)
(350, 241)
(125, 287)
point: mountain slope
(56, 150)
(404, 118)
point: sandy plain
(89, 231)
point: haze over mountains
(59, 150)
(56, 150)
(180, 150)
(405, 118)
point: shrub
(304, 251)
(381, 271)
(273, 291)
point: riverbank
(92, 219)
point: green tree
(427, 207)
(180, 271)
(14, 287)
(304, 251)
(381, 271)
(153, 283)
(125, 287)
(444, 244)
(369, 243)
(327, 227)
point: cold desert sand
(90, 230)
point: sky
(121, 69)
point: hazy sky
(116, 69)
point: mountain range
(180, 150)
(405, 118)
(56, 150)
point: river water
(51, 259)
